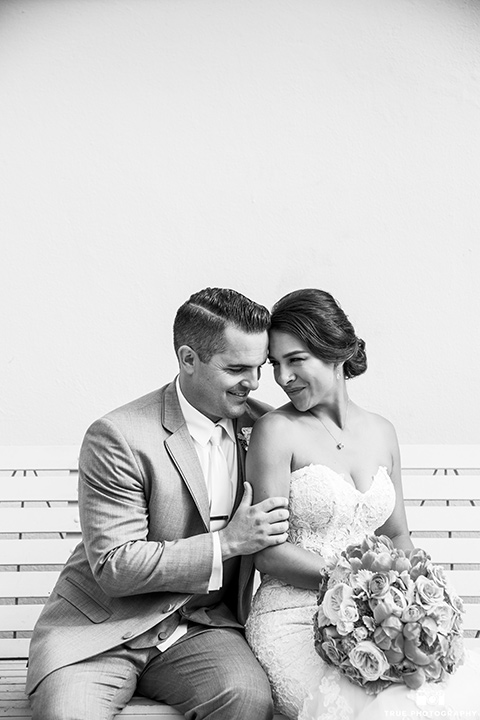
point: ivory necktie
(218, 482)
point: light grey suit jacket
(146, 555)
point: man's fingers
(272, 503)
(277, 539)
(278, 515)
(279, 529)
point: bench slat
(39, 457)
(142, 707)
(21, 520)
(57, 551)
(471, 619)
(441, 487)
(20, 710)
(23, 617)
(440, 456)
(19, 617)
(65, 457)
(415, 487)
(39, 489)
(450, 550)
(38, 552)
(14, 648)
(465, 582)
(65, 488)
(44, 519)
(443, 518)
(39, 584)
(27, 584)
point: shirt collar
(199, 425)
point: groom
(154, 597)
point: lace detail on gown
(327, 513)
(335, 705)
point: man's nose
(251, 379)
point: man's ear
(187, 359)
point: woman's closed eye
(290, 361)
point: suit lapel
(246, 420)
(180, 448)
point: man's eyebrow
(243, 365)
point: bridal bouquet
(387, 616)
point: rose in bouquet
(385, 616)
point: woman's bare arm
(396, 526)
(268, 470)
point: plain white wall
(151, 148)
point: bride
(340, 466)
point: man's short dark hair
(201, 321)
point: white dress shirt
(200, 428)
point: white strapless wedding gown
(326, 514)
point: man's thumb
(247, 494)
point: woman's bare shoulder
(270, 448)
(379, 430)
(277, 423)
(278, 419)
(382, 423)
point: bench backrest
(39, 526)
(442, 493)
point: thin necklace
(338, 443)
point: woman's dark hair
(315, 317)
(201, 321)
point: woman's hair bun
(357, 363)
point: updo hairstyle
(314, 317)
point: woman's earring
(338, 376)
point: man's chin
(237, 406)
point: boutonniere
(244, 437)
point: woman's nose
(284, 376)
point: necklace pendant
(340, 446)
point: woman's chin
(300, 404)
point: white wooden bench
(442, 492)
(39, 528)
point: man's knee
(250, 697)
(48, 705)
(71, 693)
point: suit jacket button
(162, 635)
(127, 636)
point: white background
(150, 148)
